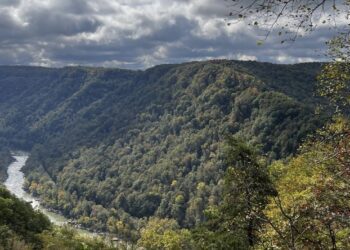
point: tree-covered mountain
(110, 147)
(20, 225)
(23, 228)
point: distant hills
(110, 146)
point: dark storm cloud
(136, 34)
(7, 23)
(59, 24)
(79, 7)
(9, 2)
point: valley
(111, 147)
(174, 125)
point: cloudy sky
(137, 34)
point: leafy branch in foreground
(236, 222)
(334, 80)
(312, 207)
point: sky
(138, 34)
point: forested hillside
(20, 225)
(23, 228)
(5, 160)
(110, 147)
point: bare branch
(300, 14)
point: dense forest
(19, 224)
(5, 160)
(219, 154)
(22, 228)
(110, 148)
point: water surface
(15, 182)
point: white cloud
(246, 57)
(134, 34)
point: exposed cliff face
(114, 145)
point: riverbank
(5, 160)
(14, 183)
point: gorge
(111, 147)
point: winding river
(14, 184)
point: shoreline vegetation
(22, 228)
(35, 201)
(5, 160)
(77, 232)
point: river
(15, 181)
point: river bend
(15, 181)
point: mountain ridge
(114, 145)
